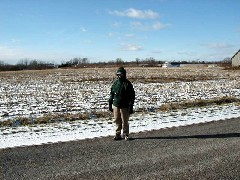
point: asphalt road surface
(203, 151)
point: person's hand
(131, 109)
(110, 107)
(131, 103)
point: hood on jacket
(122, 71)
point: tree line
(27, 64)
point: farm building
(171, 64)
(236, 59)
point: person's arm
(110, 101)
(132, 98)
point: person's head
(121, 72)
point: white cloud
(148, 26)
(135, 13)
(131, 47)
(138, 25)
(158, 25)
(140, 15)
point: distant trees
(33, 65)
(28, 64)
(227, 60)
(75, 62)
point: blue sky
(104, 30)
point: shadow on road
(208, 136)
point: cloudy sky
(104, 30)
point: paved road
(204, 151)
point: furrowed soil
(203, 151)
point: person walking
(121, 103)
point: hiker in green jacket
(121, 102)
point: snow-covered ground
(36, 98)
(66, 131)
(34, 94)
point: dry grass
(53, 118)
(198, 103)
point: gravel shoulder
(203, 151)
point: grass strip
(54, 118)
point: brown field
(138, 74)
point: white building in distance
(236, 59)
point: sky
(105, 30)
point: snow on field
(65, 131)
(33, 94)
(34, 99)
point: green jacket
(122, 93)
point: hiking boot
(117, 137)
